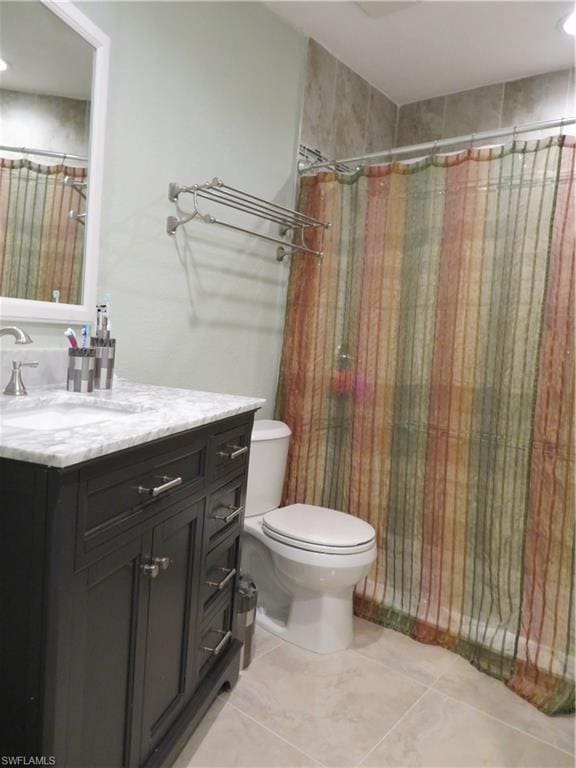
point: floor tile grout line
(389, 731)
(274, 733)
(412, 678)
(265, 653)
(483, 712)
(444, 672)
(428, 687)
(499, 720)
(432, 686)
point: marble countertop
(141, 413)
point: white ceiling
(417, 50)
(43, 53)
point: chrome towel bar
(290, 222)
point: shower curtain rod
(443, 143)
(42, 153)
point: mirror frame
(51, 312)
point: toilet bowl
(304, 559)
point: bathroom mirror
(53, 82)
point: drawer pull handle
(150, 569)
(167, 484)
(233, 451)
(162, 562)
(232, 515)
(230, 573)
(215, 651)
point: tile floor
(388, 701)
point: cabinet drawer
(114, 501)
(225, 513)
(219, 573)
(229, 450)
(215, 637)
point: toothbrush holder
(105, 350)
(81, 368)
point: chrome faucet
(16, 386)
(20, 336)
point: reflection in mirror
(45, 92)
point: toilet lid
(308, 527)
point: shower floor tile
(389, 701)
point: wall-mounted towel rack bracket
(79, 217)
(78, 186)
(291, 223)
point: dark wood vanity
(117, 597)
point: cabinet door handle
(233, 451)
(162, 562)
(215, 651)
(167, 483)
(232, 515)
(221, 584)
(150, 569)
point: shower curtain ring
(472, 140)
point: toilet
(305, 560)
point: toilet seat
(318, 529)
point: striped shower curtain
(428, 378)
(41, 248)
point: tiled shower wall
(517, 102)
(344, 115)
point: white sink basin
(52, 417)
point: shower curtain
(428, 378)
(41, 248)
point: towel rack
(77, 186)
(291, 222)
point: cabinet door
(109, 604)
(172, 623)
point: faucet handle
(16, 386)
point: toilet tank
(268, 455)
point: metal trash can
(246, 617)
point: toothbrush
(102, 321)
(108, 305)
(85, 335)
(71, 336)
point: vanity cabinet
(117, 597)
